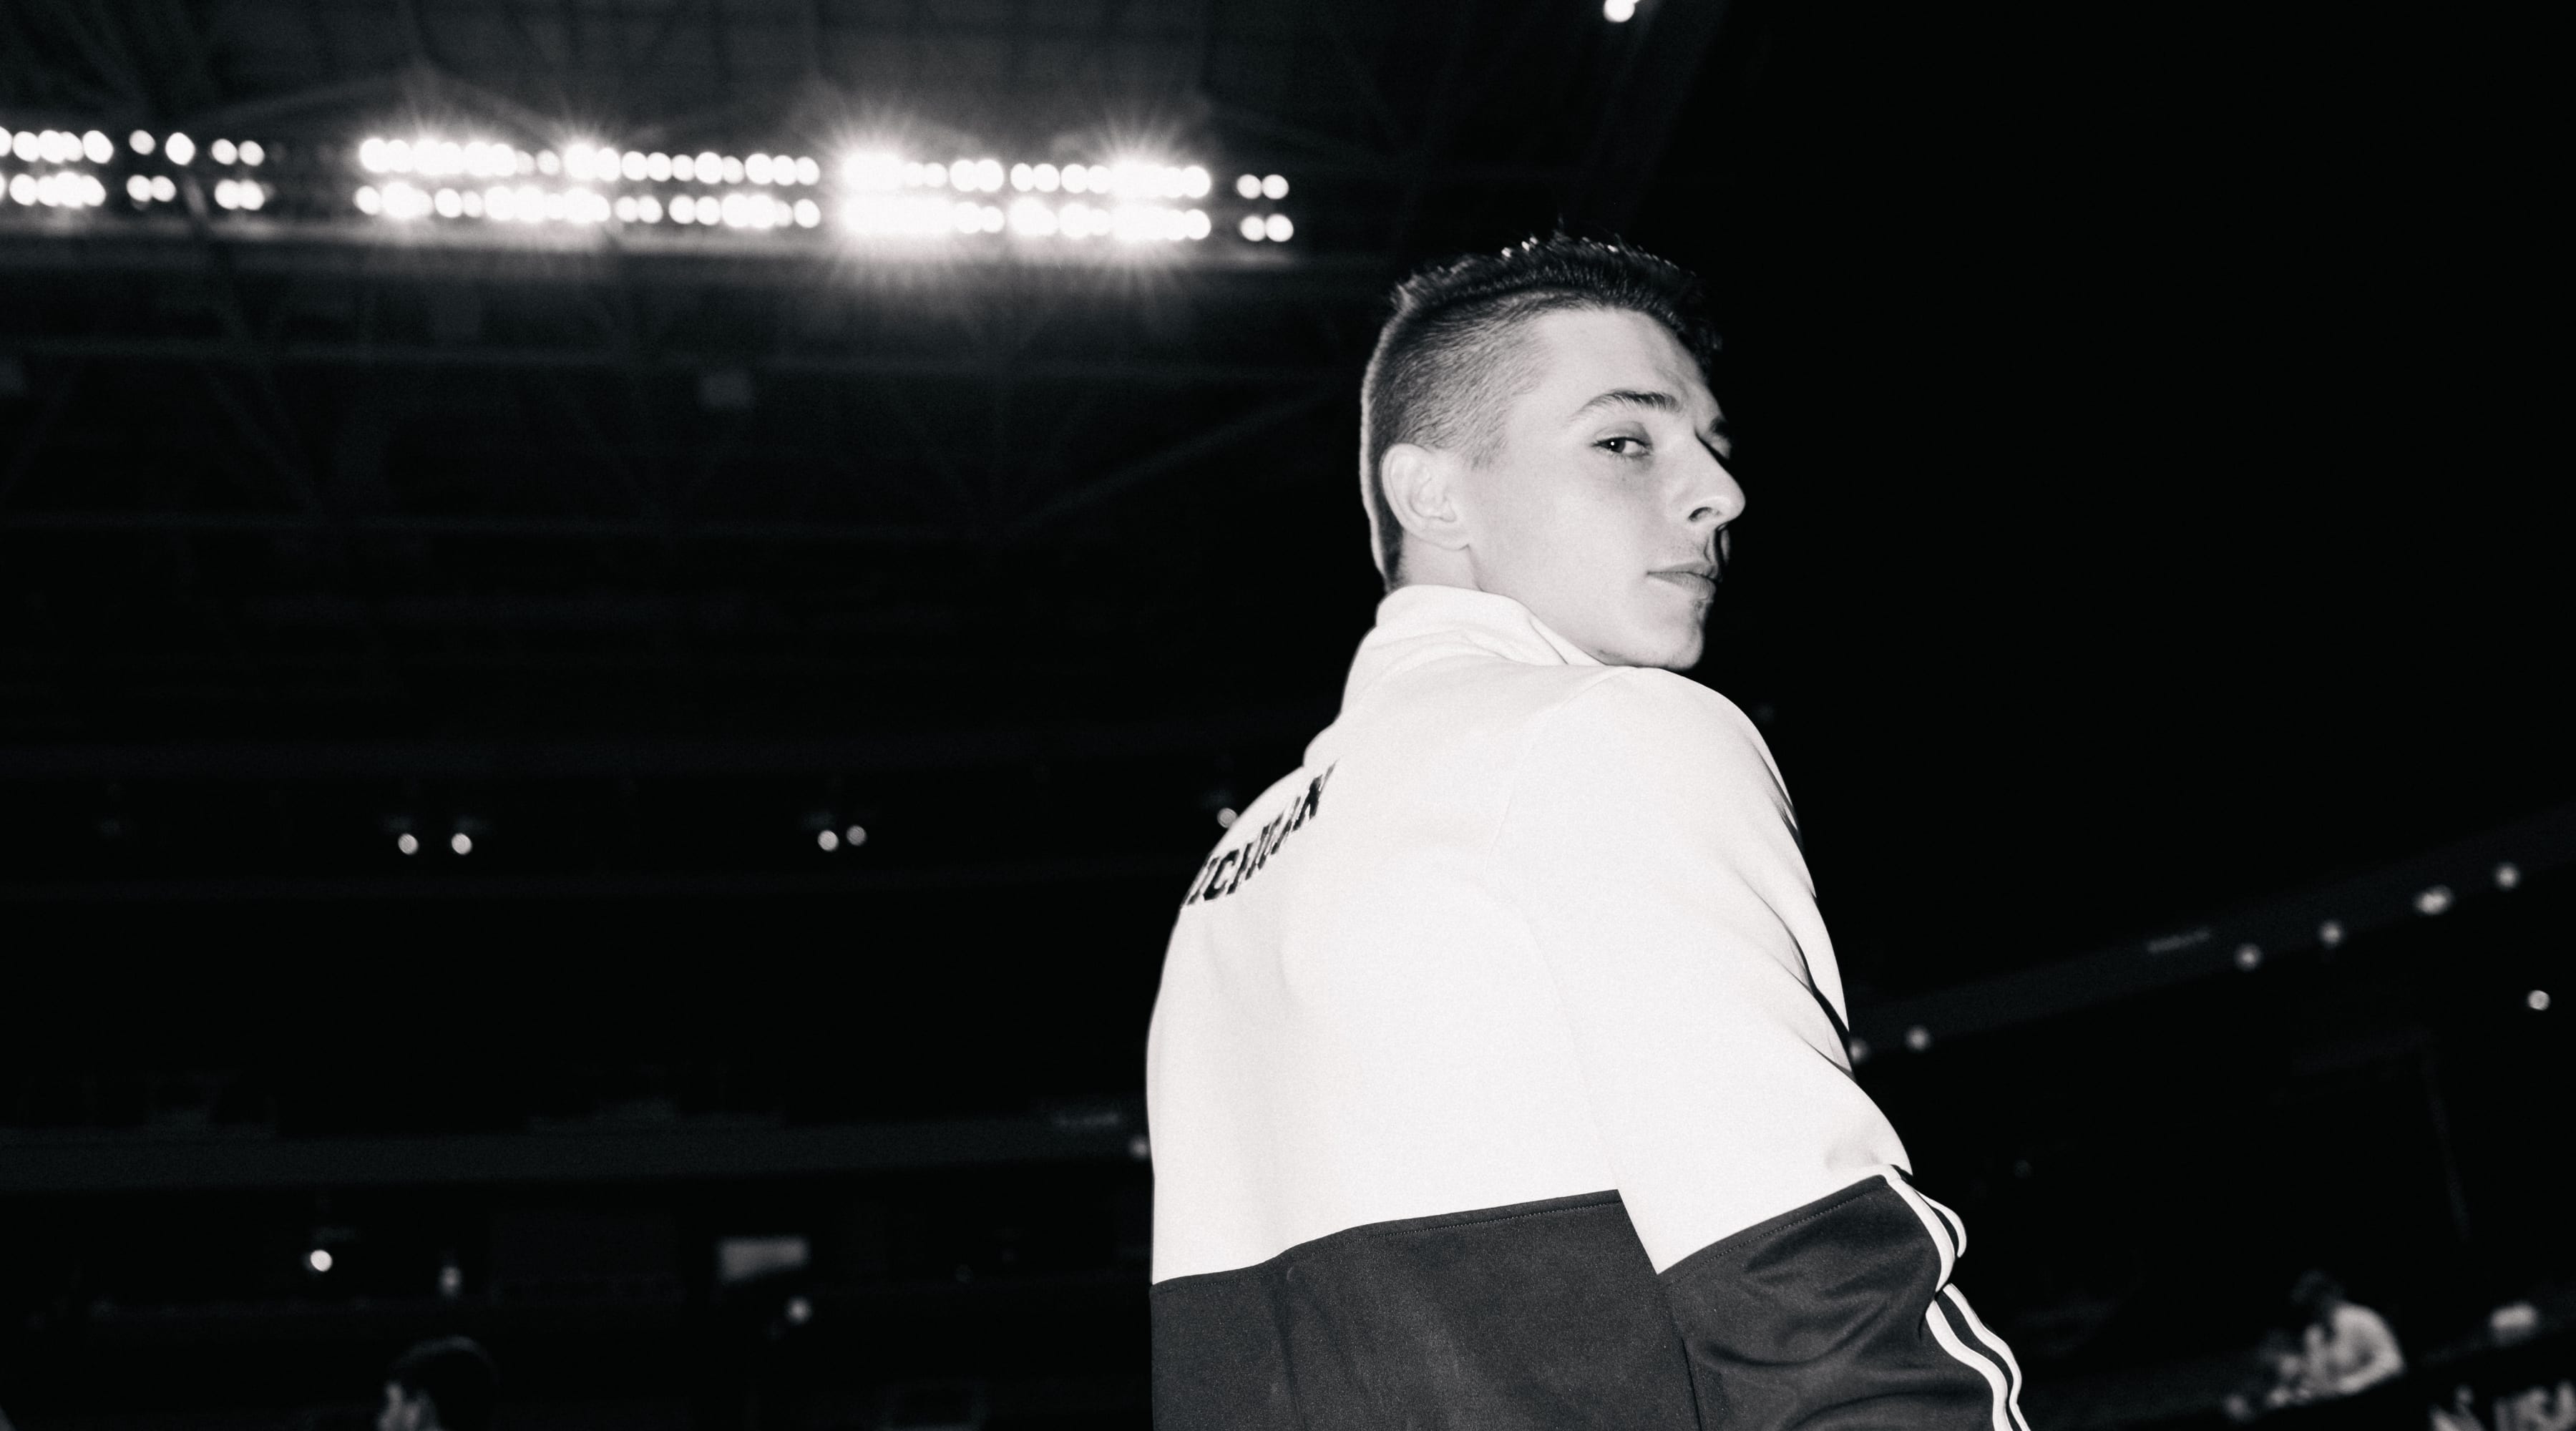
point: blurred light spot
(856, 836)
(2330, 933)
(1918, 1038)
(1140, 1147)
(1858, 1048)
(461, 842)
(2537, 1000)
(180, 148)
(827, 840)
(2249, 957)
(1618, 12)
(407, 842)
(1248, 185)
(2508, 875)
(1278, 229)
(1226, 817)
(141, 141)
(2434, 900)
(319, 1259)
(799, 1311)
(1274, 186)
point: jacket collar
(1423, 622)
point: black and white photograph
(1285, 715)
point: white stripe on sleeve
(2001, 1348)
(1943, 1333)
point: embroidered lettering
(1228, 871)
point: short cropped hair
(458, 1377)
(1447, 362)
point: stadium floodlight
(1032, 218)
(138, 188)
(1274, 186)
(757, 168)
(1278, 228)
(369, 199)
(1252, 228)
(141, 141)
(1618, 12)
(1248, 185)
(659, 167)
(222, 151)
(164, 188)
(870, 171)
(97, 147)
(27, 147)
(252, 154)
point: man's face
(404, 1411)
(1604, 509)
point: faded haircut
(1448, 360)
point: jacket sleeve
(1650, 848)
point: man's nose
(1714, 497)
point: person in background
(2349, 1347)
(448, 1384)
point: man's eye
(1620, 446)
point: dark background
(2149, 423)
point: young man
(1497, 1078)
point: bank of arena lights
(81, 169)
(892, 196)
(468, 182)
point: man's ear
(1422, 490)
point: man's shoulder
(1650, 707)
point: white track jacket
(1497, 1080)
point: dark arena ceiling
(2134, 523)
(511, 620)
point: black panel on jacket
(1547, 1316)
(1541, 1316)
(1817, 1319)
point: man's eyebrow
(1631, 397)
(1658, 401)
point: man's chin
(1671, 654)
